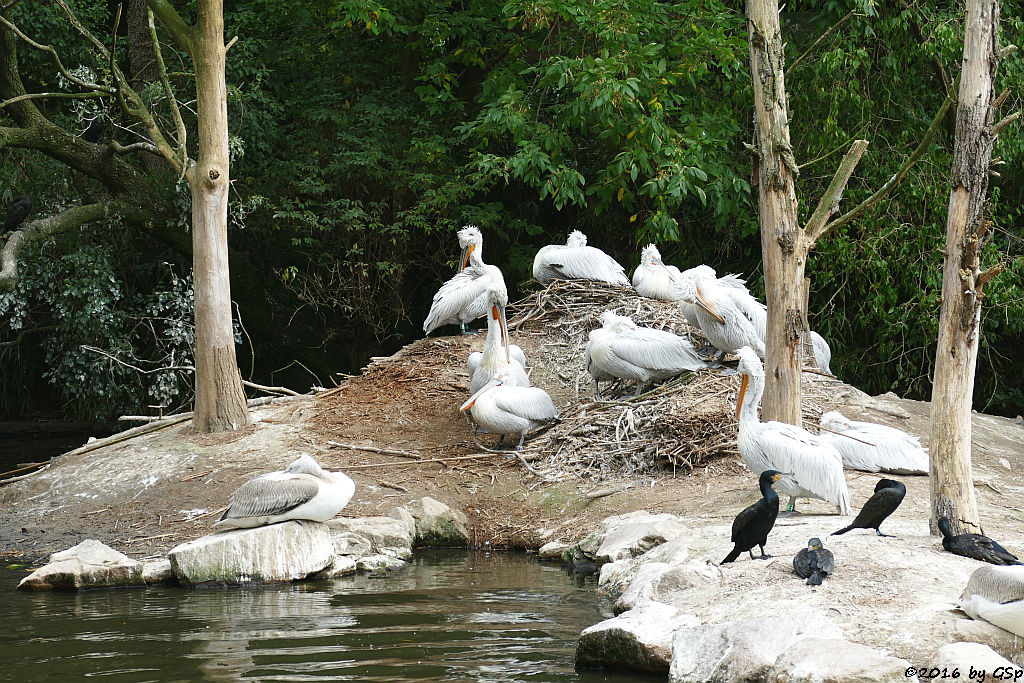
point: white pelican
(996, 595)
(684, 284)
(506, 410)
(498, 355)
(576, 261)
(303, 490)
(652, 278)
(463, 298)
(817, 467)
(891, 449)
(623, 349)
(728, 321)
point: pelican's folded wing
(587, 263)
(271, 495)
(656, 350)
(531, 403)
(460, 292)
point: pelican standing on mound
(463, 298)
(891, 449)
(576, 261)
(498, 355)
(652, 278)
(303, 490)
(623, 349)
(729, 322)
(507, 410)
(996, 595)
(816, 467)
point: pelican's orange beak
(465, 259)
(703, 303)
(743, 392)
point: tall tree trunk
(951, 480)
(782, 240)
(220, 401)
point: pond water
(449, 616)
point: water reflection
(485, 617)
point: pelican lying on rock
(652, 278)
(303, 490)
(996, 595)
(507, 410)
(463, 298)
(727, 319)
(887, 449)
(817, 467)
(576, 261)
(623, 349)
(498, 355)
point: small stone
(552, 550)
(158, 572)
(90, 564)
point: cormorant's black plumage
(888, 495)
(752, 525)
(814, 562)
(94, 131)
(16, 213)
(974, 546)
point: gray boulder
(341, 566)
(288, 551)
(616, 577)
(663, 582)
(437, 525)
(741, 650)
(90, 564)
(625, 536)
(552, 550)
(380, 564)
(637, 640)
(1003, 642)
(387, 535)
(834, 660)
(350, 544)
(158, 572)
(967, 656)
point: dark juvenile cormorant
(752, 525)
(94, 130)
(16, 213)
(888, 495)
(975, 546)
(814, 562)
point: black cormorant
(814, 562)
(16, 213)
(888, 495)
(752, 525)
(94, 130)
(974, 546)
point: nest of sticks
(678, 425)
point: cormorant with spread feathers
(94, 130)
(888, 495)
(16, 213)
(752, 525)
(814, 562)
(974, 546)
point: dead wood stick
(129, 433)
(611, 490)
(374, 449)
(826, 429)
(11, 480)
(197, 475)
(26, 466)
(270, 390)
(148, 538)
(389, 485)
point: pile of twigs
(678, 425)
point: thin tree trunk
(220, 401)
(951, 480)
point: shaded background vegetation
(365, 134)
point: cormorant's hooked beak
(472, 399)
(703, 303)
(465, 256)
(744, 383)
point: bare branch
(824, 35)
(117, 148)
(829, 202)
(24, 333)
(230, 43)
(998, 127)
(54, 95)
(986, 275)
(8, 6)
(107, 354)
(56, 58)
(182, 134)
(169, 18)
(80, 27)
(1006, 51)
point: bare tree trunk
(952, 485)
(220, 401)
(782, 241)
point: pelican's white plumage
(303, 490)
(727, 319)
(685, 285)
(463, 298)
(506, 410)
(576, 261)
(817, 467)
(621, 348)
(892, 451)
(822, 352)
(652, 278)
(996, 594)
(498, 355)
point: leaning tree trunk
(952, 485)
(782, 241)
(220, 401)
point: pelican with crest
(463, 298)
(652, 278)
(816, 466)
(498, 356)
(574, 260)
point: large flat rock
(90, 564)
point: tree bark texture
(951, 479)
(220, 401)
(782, 240)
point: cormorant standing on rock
(814, 562)
(752, 525)
(94, 130)
(974, 546)
(16, 213)
(888, 495)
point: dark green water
(450, 616)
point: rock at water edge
(90, 564)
